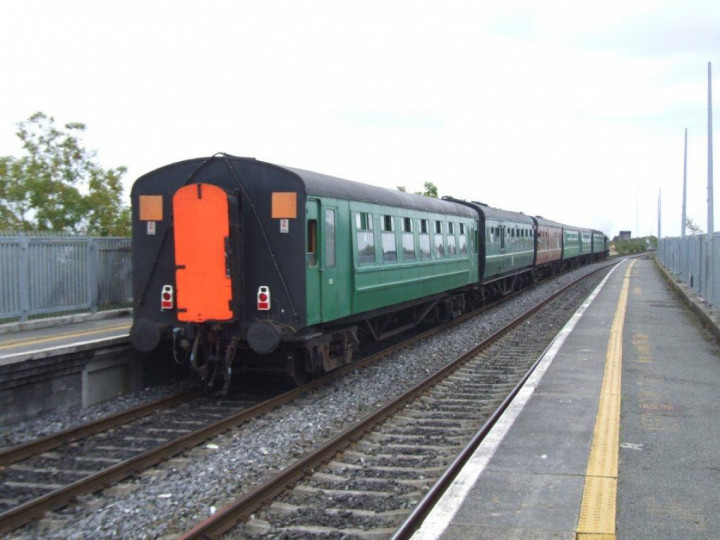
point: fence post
(24, 276)
(93, 262)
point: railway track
(365, 482)
(50, 472)
(32, 464)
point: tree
(58, 185)
(635, 245)
(431, 190)
(693, 227)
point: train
(244, 266)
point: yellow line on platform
(597, 510)
(24, 342)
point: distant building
(625, 235)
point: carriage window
(365, 238)
(462, 243)
(312, 242)
(389, 244)
(363, 221)
(408, 241)
(438, 227)
(425, 247)
(408, 246)
(388, 223)
(366, 247)
(451, 246)
(330, 238)
(462, 228)
(389, 247)
(439, 245)
(451, 228)
(424, 226)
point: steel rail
(227, 517)
(13, 454)
(420, 512)
(24, 513)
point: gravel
(50, 423)
(172, 498)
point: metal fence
(687, 259)
(51, 275)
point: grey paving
(669, 470)
(51, 337)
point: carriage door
(503, 250)
(328, 262)
(201, 222)
(312, 261)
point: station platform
(65, 363)
(616, 435)
(31, 340)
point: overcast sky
(574, 110)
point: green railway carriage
(233, 256)
(572, 245)
(599, 244)
(405, 252)
(582, 245)
(585, 242)
(390, 248)
(509, 242)
(507, 248)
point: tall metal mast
(659, 236)
(684, 199)
(710, 221)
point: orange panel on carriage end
(201, 223)
(151, 208)
(283, 205)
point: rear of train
(216, 247)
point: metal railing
(687, 259)
(43, 275)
